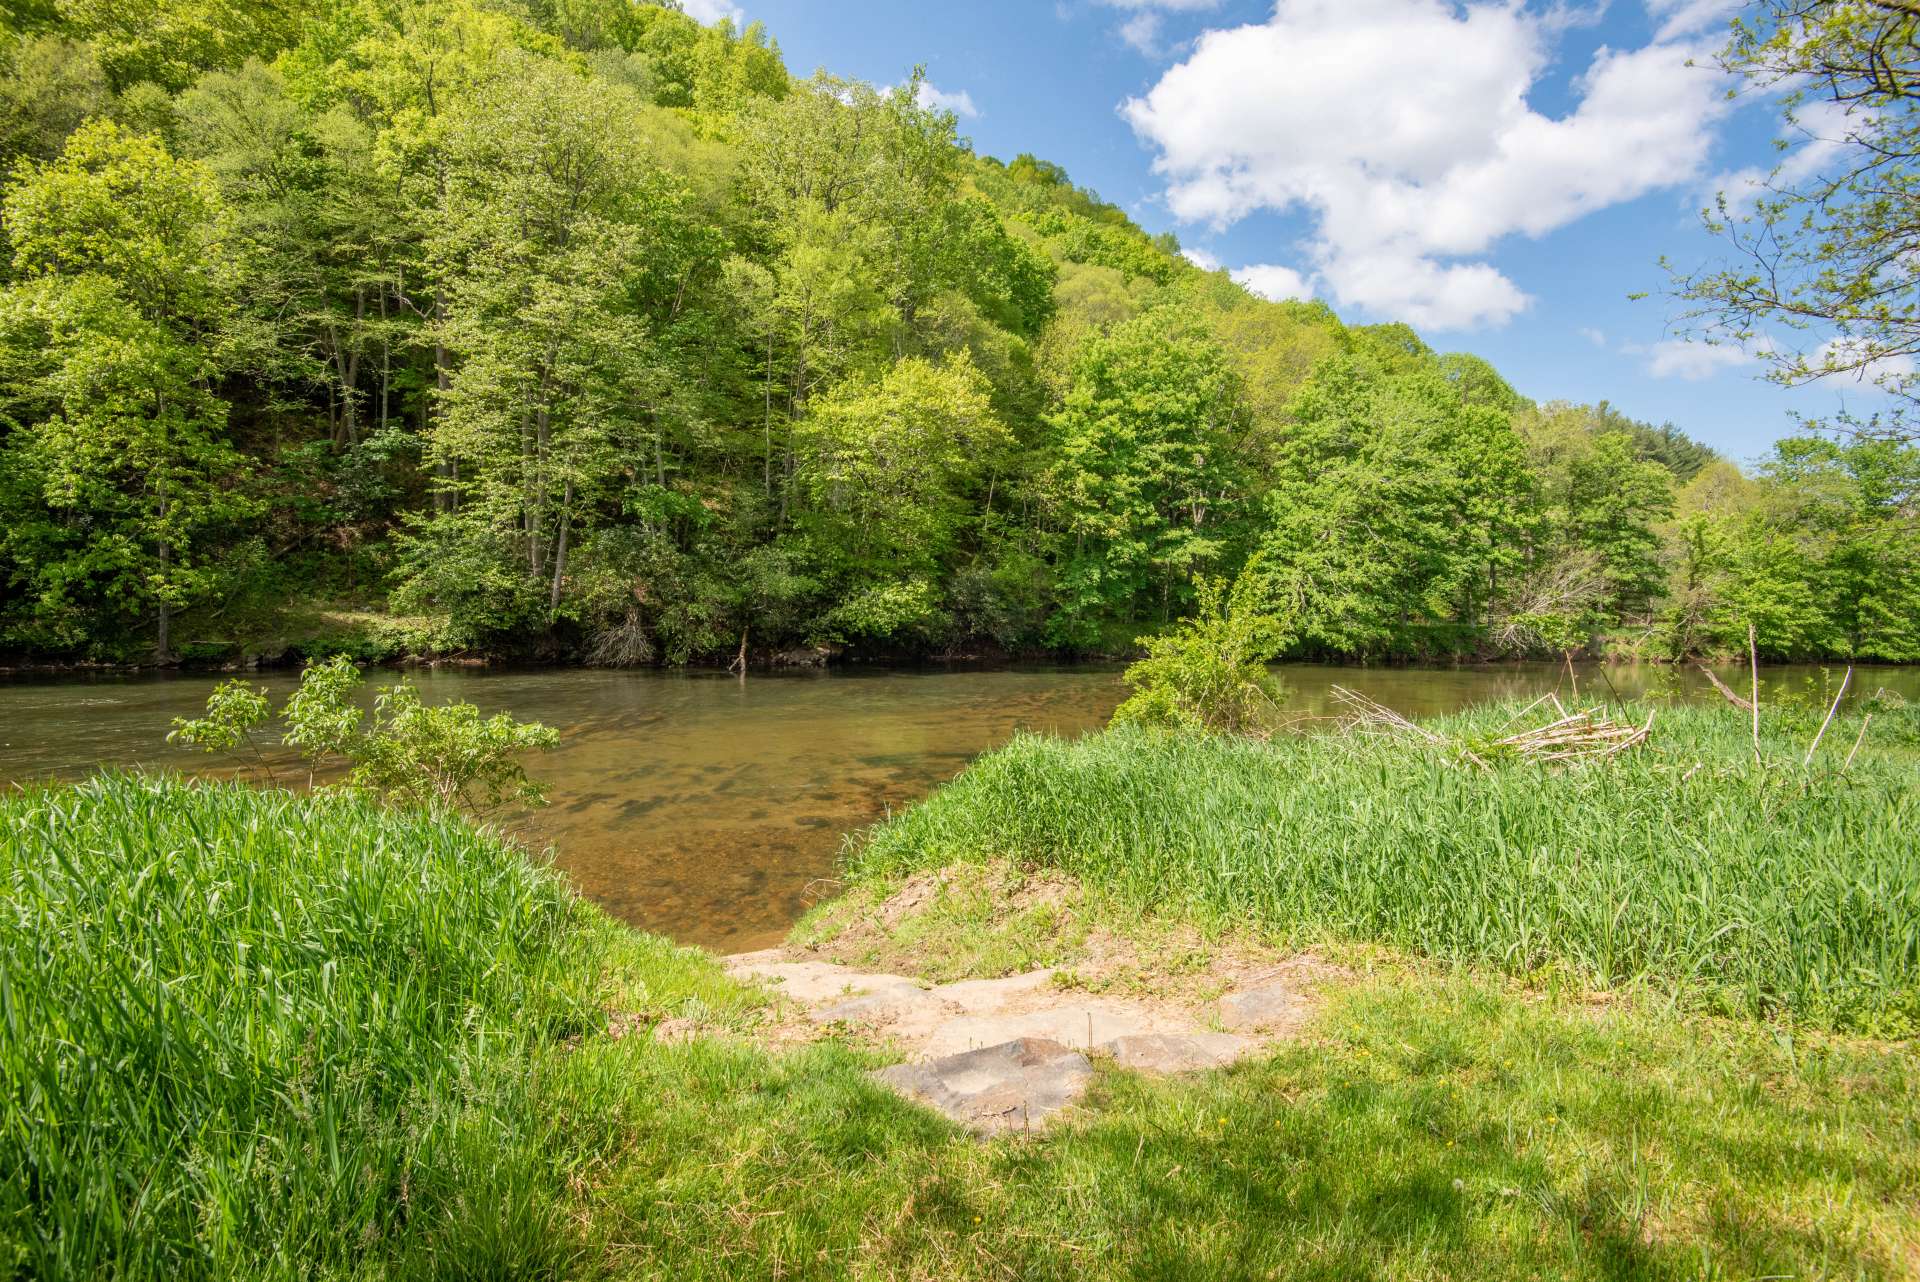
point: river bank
(713, 810)
(260, 1034)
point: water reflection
(711, 808)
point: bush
(1210, 673)
(412, 754)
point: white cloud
(1597, 337)
(1202, 259)
(1403, 128)
(1274, 282)
(1142, 30)
(960, 103)
(1852, 359)
(1691, 361)
(1691, 17)
(711, 11)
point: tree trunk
(386, 360)
(560, 549)
(443, 496)
(163, 622)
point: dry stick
(1721, 686)
(1615, 693)
(1753, 658)
(1857, 741)
(1844, 683)
(1367, 712)
(1529, 708)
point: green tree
(548, 228)
(1827, 253)
(120, 471)
(48, 86)
(1148, 472)
(169, 42)
(1396, 506)
(1614, 504)
(894, 471)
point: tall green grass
(252, 1034)
(1681, 865)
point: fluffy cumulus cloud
(1403, 128)
(1271, 280)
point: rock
(1077, 1025)
(978, 996)
(817, 656)
(891, 1003)
(1176, 1052)
(1272, 1006)
(1015, 1086)
(813, 982)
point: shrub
(1210, 673)
(412, 754)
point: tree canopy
(578, 329)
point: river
(712, 808)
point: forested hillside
(574, 329)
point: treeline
(578, 329)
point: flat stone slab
(1015, 1086)
(814, 982)
(1176, 1052)
(1271, 1006)
(884, 1005)
(1078, 1024)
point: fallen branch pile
(1575, 736)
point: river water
(713, 808)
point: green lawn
(254, 1035)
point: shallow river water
(712, 808)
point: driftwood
(1578, 736)
(1858, 740)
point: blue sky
(1501, 175)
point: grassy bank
(249, 1035)
(1678, 865)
